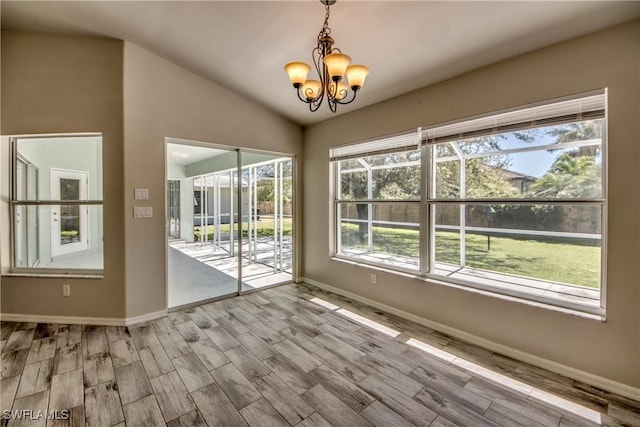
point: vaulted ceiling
(243, 45)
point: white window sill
(574, 300)
(55, 275)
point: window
(512, 203)
(378, 205)
(56, 204)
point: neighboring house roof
(513, 175)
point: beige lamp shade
(311, 89)
(342, 91)
(337, 64)
(356, 74)
(297, 72)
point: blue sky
(533, 163)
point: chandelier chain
(326, 31)
(326, 17)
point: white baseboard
(576, 374)
(144, 317)
(73, 320)
(62, 320)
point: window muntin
(519, 212)
(56, 204)
(391, 176)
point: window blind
(589, 107)
(392, 144)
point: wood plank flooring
(287, 356)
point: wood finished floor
(279, 358)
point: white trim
(73, 320)
(46, 275)
(62, 320)
(586, 377)
(145, 317)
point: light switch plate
(141, 194)
(139, 211)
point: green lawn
(557, 262)
(265, 228)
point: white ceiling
(243, 45)
(184, 155)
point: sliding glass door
(202, 223)
(229, 222)
(267, 220)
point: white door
(69, 228)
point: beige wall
(164, 100)
(53, 84)
(59, 84)
(610, 59)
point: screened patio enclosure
(230, 228)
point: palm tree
(568, 177)
(579, 131)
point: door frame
(174, 229)
(30, 217)
(57, 248)
(294, 234)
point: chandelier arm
(301, 98)
(315, 104)
(321, 69)
(353, 98)
(333, 106)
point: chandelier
(331, 65)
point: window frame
(15, 202)
(370, 201)
(428, 201)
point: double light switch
(142, 211)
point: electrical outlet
(66, 290)
(374, 279)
